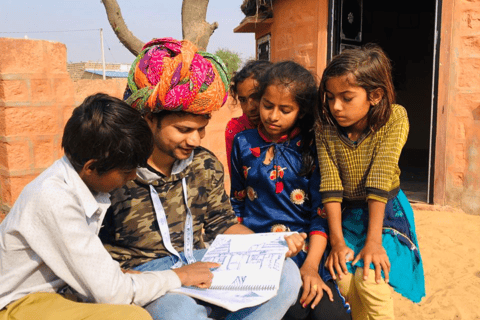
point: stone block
(470, 20)
(18, 155)
(22, 56)
(3, 127)
(469, 46)
(3, 156)
(59, 63)
(84, 88)
(63, 90)
(44, 151)
(14, 90)
(6, 195)
(31, 120)
(41, 90)
(468, 72)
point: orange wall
(458, 128)
(299, 32)
(37, 97)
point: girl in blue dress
(360, 136)
(275, 182)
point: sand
(449, 241)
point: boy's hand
(337, 260)
(313, 287)
(295, 243)
(197, 274)
(374, 252)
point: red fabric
(255, 151)
(278, 186)
(235, 126)
(323, 234)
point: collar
(261, 131)
(90, 202)
(150, 175)
(343, 134)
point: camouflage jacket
(131, 232)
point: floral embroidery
(297, 196)
(299, 143)
(279, 228)
(277, 170)
(252, 194)
(273, 175)
(255, 151)
(281, 171)
(278, 187)
(240, 195)
(245, 171)
(322, 212)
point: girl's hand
(295, 243)
(313, 287)
(337, 260)
(374, 252)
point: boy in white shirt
(49, 243)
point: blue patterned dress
(272, 197)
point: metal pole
(103, 53)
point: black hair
(254, 69)
(302, 85)
(109, 131)
(162, 114)
(371, 70)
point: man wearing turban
(177, 203)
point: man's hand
(196, 274)
(295, 243)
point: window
(263, 48)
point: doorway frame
(439, 95)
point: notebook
(250, 271)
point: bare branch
(126, 37)
(194, 25)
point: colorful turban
(173, 75)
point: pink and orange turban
(173, 75)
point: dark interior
(405, 30)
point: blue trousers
(179, 306)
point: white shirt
(50, 239)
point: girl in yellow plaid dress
(360, 134)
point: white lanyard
(164, 230)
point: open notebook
(250, 271)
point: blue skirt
(399, 240)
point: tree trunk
(126, 37)
(194, 25)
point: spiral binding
(257, 287)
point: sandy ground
(449, 241)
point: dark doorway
(406, 31)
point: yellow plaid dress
(355, 172)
